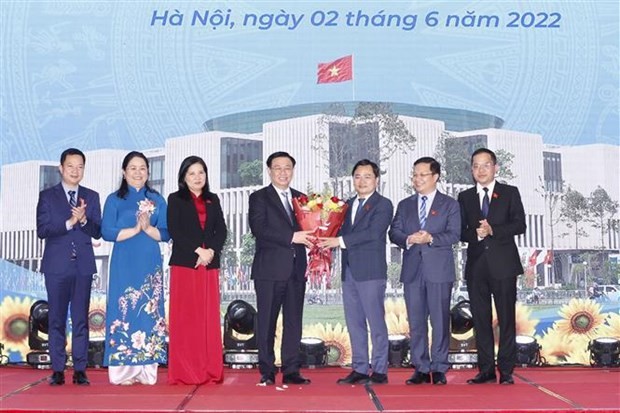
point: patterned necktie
(358, 211)
(72, 199)
(73, 203)
(423, 212)
(287, 206)
(485, 203)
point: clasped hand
(420, 237)
(78, 213)
(485, 229)
(205, 256)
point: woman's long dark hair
(185, 165)
(124, 188)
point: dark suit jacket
(185, 231)
(506, 217)
(435, 263)
(366, 239)
(53, 210)
(275, 254)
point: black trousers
(484, 287)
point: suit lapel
(368, 204)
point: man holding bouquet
(278, 270)
(364, 274)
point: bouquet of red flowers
(324, 215)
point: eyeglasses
(278, 170)
(422, 175)
(482, 166)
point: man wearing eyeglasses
(491, 216)
(278, 270)
(425, 226)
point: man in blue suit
(426, 226)
(364, 274)
(68, 217)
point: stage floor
(550, 389)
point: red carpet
(557, 389)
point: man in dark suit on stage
(426, 226)
(491, 216)
(278, 270)
(68, 217)
(364, 274)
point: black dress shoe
(483, 378)
(268, 379)
(378, 378)
(354, 378)
(418, 378)
(79, 378)
(439, 377)
(57, 378)
(506, 379)
(295, 378)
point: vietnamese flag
(340, 70)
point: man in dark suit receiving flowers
(278, 270)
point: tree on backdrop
(602, 212)
(251, 173)
(372, 132)
(574, 211)
(553, 200)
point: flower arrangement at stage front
(323, 214)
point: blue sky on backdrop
(103, 75)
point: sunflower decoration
(611, 328)
(580, 353)
(580, 317)
(555, 346)
(396, 317)
(336, 340)
(525, 326)
(96, 317)
(14, 320)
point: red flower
(433, 212)
(320, 206)
(495, 196)
(303, 199)
(367, 207)
(335, 199)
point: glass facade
(156, 173)
(552, 164)
(234, 153)
(48, 176)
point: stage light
(240, 350)
(398, 355)
(38, 326)
(604, 352)
(312, 352)
(528, 351)
(462, 352)
(96, 348)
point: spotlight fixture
(462, 352)
(398, 355)
(312, 352)
(38, 325)
(240, 350)
(604, 352)
(528, 351)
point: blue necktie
(485, 203)
(358, 211)
(423, 212)
(72, 199)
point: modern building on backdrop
(325, 144)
